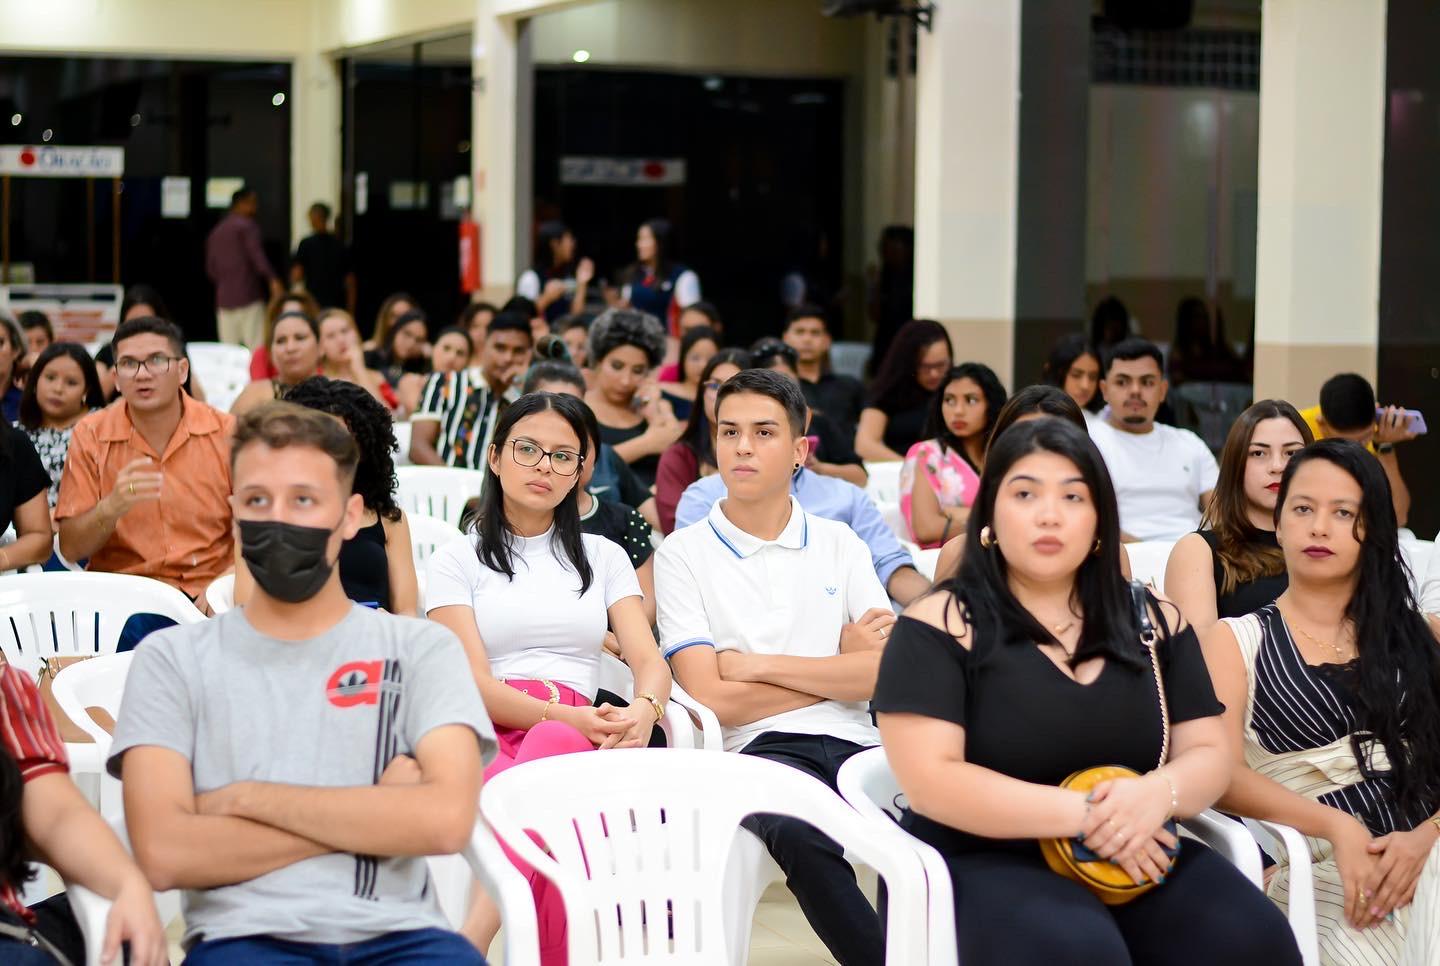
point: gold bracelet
(658, 707)
(1174, 797)
(1435, 821)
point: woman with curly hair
(376, 565)
(625, 348)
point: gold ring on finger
(132, 489)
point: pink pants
(517, 746)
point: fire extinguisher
(470, 280)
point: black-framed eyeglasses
(563, 462)
(713, 385)
(157, 365)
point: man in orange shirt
(147, 481)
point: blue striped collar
(795, 536)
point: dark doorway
(763, 188)
(190, 119)
(407, 140)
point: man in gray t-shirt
(289, 764)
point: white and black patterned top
(51, 445)
(1300, 706)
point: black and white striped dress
(1301, 726)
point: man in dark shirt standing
(837, 397)
(323, 265)
(237, 265)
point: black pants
(814, 864)
(657, 734)
(1011, 910)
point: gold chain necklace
(1313, 640)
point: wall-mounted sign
(174, 197)
(622, 172)
(50, 161)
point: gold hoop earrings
(987, 537)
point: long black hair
(1036, 401)
(990, 387)
(699, 435)
(15, 870)
(981, 588)
(495, 548)
(30, 415)
(896, 388)
(546, 235)
(369, 422)
(1062, 356)
(1399, 662)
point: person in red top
(41, 808)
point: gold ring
(132, 489)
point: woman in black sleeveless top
(377, 566)
(1233, 565)
(1026, 668)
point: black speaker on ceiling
(1149, 14)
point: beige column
(315, 138)
(966, 152)
(493, 145)
(1322, 112)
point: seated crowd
(1289, 672)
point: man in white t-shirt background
(1163, 476)
(775, 619)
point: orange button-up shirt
(183, 538)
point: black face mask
(288, 562)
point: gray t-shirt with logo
(325, 712)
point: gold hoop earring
(987, 537)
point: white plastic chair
(883, 485)
(437, 491)
(218, 355)
(895, 520)
(78, 614)
(92, 911)
(1275, 839)
(402, 444)
(452, 881)
(868, 785)
(220, 595)
(641, 855)
(428, 534)
(223, 369)
(96, 683)
(1148, 559)
(1420, 555)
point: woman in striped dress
(1332, 698)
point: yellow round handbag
(1069, 856)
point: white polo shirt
(718, 586)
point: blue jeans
(138, 627)
(418, 946)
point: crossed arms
(183, 840)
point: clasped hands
(1124, 823)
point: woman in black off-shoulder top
(1028, 667)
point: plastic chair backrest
(220, 595)
(1148, 559)
(78, 614)
(427, 534)
(883, 485)
(96, 683)
(402, 444)
(437, 491)
(895, 520)
(641, 857)
(219, 355)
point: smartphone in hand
(1414, 420)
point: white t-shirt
(538, 625)
(718, 586)
(1158, 478)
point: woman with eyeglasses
(693, 454)
(531, 596)
(913, 369)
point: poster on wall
(622, 172)
(86, 314)
(174, 197)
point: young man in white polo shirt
(774, 618)
(1162, 475)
